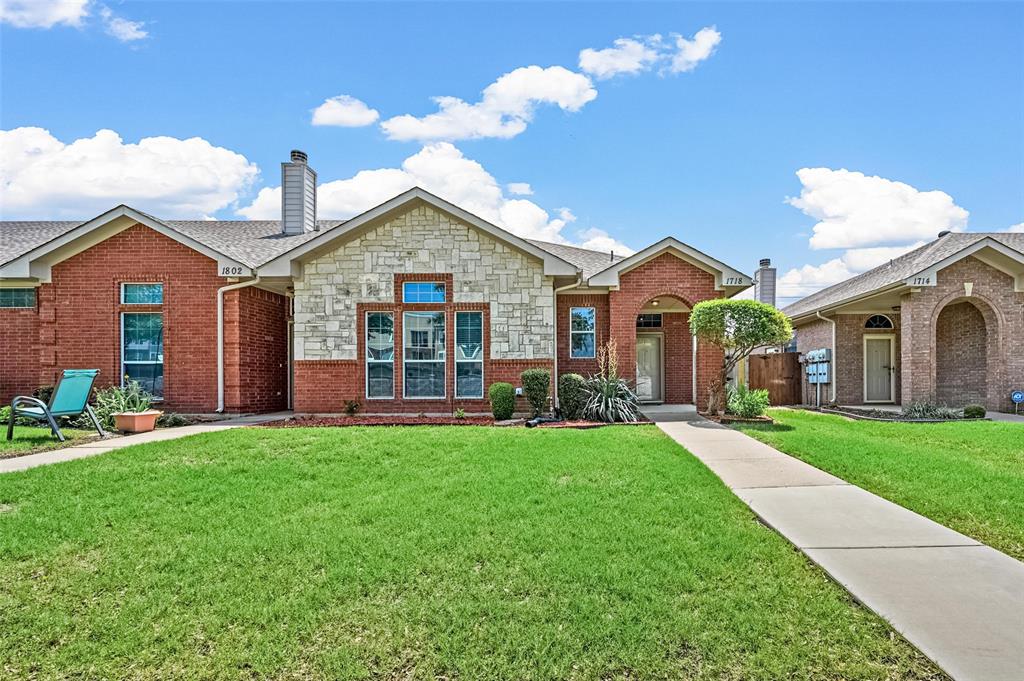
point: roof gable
(36, 262)
(286, 264)
(726, 278)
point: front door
(878, 370)
(648, 368)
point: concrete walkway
(94, 447)
(959, 601)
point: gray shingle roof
(898, 269)
(591, 262)
(252, 242)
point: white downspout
(693, 374)
(220, 336)
(817, 314)
(554, 348)
(290, 297)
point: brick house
(413, 306)
(943, 323)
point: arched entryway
(663, 350)
(964, 343)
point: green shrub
(43, 393)
(170, 421)
(609, 397)
(536, 384)
(117, 400)
(747, 403)
(352, 407)
(927, 410)
(974, 411)
(572, 395)
(460, 413)
(503, 400)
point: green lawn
(472, 553)
(28, 439)
(968, 476)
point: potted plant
(129, 407)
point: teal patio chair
(70, 398)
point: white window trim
(443, 361)
(469, 361)
(142, 283)
(367, 361)
(444, 286)
(162, 362)
(592, 332)
(891, 337)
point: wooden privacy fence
(779, 374)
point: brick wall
(666, 275)
(1002, 310)
(19, 354)
(599, 301)
(813, 336)
(77, 325)
(961, 348)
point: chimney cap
(299, 156)
(944, 233)
(766, 262)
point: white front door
(878, 369)
(648, 368)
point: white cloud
(43, 13)
(802, 281)
(519, 188)
(123, 29)
(600, 240)
(42, 177)
(854, 209)
(1018, 228)
(344, 111)
(642, 53)
(628, 55)
(691, 52)
(442, 169)
(505, 109)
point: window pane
(469, 335)
(17, 297)
(143, 337)
(582, 345)
(469, 379)
(380, 379)
(143, 294)
(424, 335)
(582, 318)
(424, 379)
(149, 376)
(649, 321)
(380, 336)
(423, 292)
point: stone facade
(424, 241)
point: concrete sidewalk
(94, 447)
(959, 601)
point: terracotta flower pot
(137, 422)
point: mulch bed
(584, 425)
(883, 415)
(731, 418)
(335, 421)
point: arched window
(878, 321)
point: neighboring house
(943, 323)
(414, 306)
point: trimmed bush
(974, 411)
(503, 400)
(536, 384)
(747, 403)
(571, 395)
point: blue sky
(922, 104)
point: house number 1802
(229, 270)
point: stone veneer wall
(423, 241)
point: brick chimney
(764, 282)
(298, 195)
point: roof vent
(944, 233)
(765, 262)
(299, 156)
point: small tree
(738, 327)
